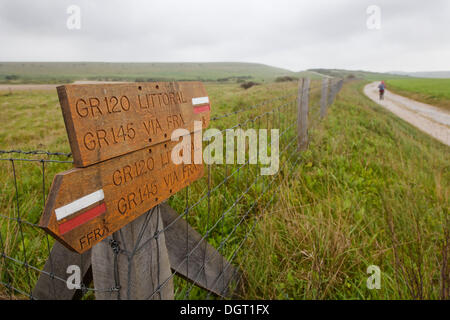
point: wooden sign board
(108, 120)
(85, 205)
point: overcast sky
(292, 34)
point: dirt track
(27, 87)
(429, 119)
(43, 87)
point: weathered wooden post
(205, 267)
(323, 97)
(330, 92)
(302, 115)
(134, 261)
(52, 284)
(340, 83)
(299, 110)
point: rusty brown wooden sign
(85, 205)
(108, 120)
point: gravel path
(429, 119)
(45, 87)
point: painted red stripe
(202, 108)
(82, 218)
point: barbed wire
(259, 105)
(37, 152)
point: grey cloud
(286, 33)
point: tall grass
(432, 91)
(371, 190)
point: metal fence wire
(224, 207)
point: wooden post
(323, 98)
(299, 109)
(134, 261)
(302, 117)
(336, 89)
(205, 266)
(333, 90)
(341, 82)
(330, 92)
(50, 285)
(127, 247)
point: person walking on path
(381, 88)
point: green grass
(432, 91)
(63, 72)
(371, 189)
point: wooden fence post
(205, 267)
(299, 109)
(334, 90)
(330, 93)
(134, 261)
(323, 98)
(340, 83)
(51, 284)
(302, 116)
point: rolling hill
(57, 72)
(424, 74)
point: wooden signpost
(123, 132)
(108, 120)
(120, 137)
(85, 205)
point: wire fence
(224, 207)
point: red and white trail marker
(80, 211)
(201, 104)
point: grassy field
(33, 120)
(432, 91)
(370, 190)
(64, 72)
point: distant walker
(381, 88)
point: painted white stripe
(79, 204)
(200, 100)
